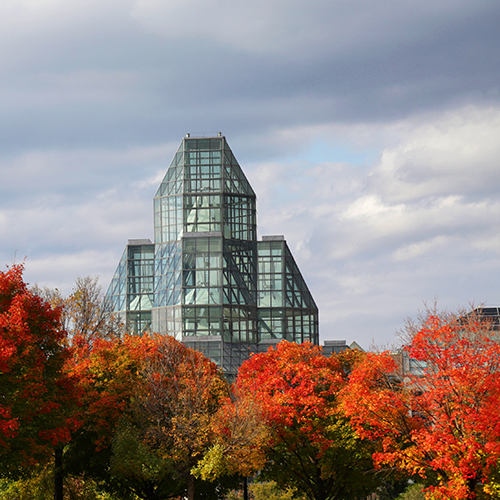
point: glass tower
(206, 279)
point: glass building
(206, 279)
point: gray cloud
(120, 72)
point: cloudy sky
(370, 132)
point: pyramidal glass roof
(209, 158)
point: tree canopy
(441, 424)
(38, 395)
(312, 445)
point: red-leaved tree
(311, 444)
(442, 424)
(37, 395)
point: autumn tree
(85, 313)
(183, 392)
(89, 313)
(38, 395)
(442, 424)
(240, 438)
(148, 408)
(87, 317)
(312, 446)
(110, 374)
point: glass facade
(206, 279)
(131, 290)
(286, 309)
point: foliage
(86, 317)
(38, 396)
(85, 313)
(110, 374)
(443, 425)
(145, 403)
(312, 447)
(34, 487)
(88, 313)
(413, 492)
(392, 485)
(139, 469)
(38, 486)
(267, 490)
(183, 392)
(240, 435)
(146, 415)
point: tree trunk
(58, 473)
(245, 488)
(191, 487)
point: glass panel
(215, 295)
(215, 261)
(202, 244)
(202, 278)
(189, 244)
(189, 261)
(202, 296)
(189, 295)
(215, 278)
(202, 261)
(188, 278)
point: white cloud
(58, 270)
(370, 207)
(455, 153)
(416, 249)
(376, 241)
(71, 212)
(405, 208)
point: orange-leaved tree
(86, 318)
(183, 392)
(240, 439)
(312, 446)
(147, 412)
(38, 396)
(442, 423)
(110, 374)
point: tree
(413, 492)
(267, 490)
(270, 491)
(88, 312)
(183, 392)
(139, 469)
(444, 424)
(39, 486)
(240, 439)
(85, 313)
(38, 395)
(313, 447)
(148, 408)
(110, 374)
(87, 317)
